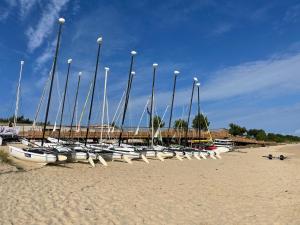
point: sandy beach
(242, 188)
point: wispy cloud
(11, 2)
(3, 14)
(262, 13)
(292, 15)
(26, 6)
(6, 9)
(75, 7)
(45, 56)
(275, 75)
(222, 28)
(37, 35)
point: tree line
(202, 121)
(260, 134)
(20, 119)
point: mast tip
(61, 20)
(99, 40)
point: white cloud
(50, 14)
(26, 6)
(272, 76)
(45, 56)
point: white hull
(115, 155)
(25, 155)
(222, 149)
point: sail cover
(9, 131)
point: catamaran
(42, 154)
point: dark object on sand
(282, 157)
(270, 157)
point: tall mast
(18, 94)
(190, 108)
(61, 22)
(104, 101)
(176, 73)
(199, 114)
(131, 79)
(155, 65)
(130, 76)
(75, 103)
(64, 98)
(99, 41)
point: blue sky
(245, 54)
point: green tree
(258, 134)
(235, 129)
(201, 120)
(157, 122)
(252, 133)
(261, 135)
(180, 124)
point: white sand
(242, 188)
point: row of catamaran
(55, 150)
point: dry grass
(4, 157)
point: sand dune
(242, 188)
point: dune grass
(4, 157)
